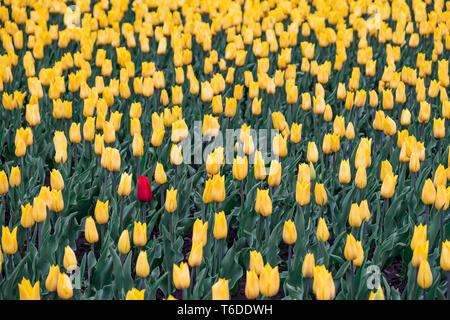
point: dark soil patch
(394, 274)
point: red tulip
(144, 189)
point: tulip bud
(269, 281)
(354, 218)
(101, 212)
(289, 232)
(263, 203)
(176, 158)
(312, 153)
(64, 287)
(445, 256)
(220, 226)
(52, 278)
(424, 276)
(124, 242)
(39, 210)
(350, 250)
(140, 234)
(199, 232)
(27, 220)
(220, 290)
(70, 260)
(181, 276)
(274, 178)
(124, 188)
(74, 133)
(344, 172)
(428, 192)
(171, 200)
(196, 254)
(360, 255)
(308, 266)
(388, 186)
(144, 189)
(420, 253)
(29, 292)
(142, 266)
(9, 240)
(361, 178)
(56, 180)
(320, 194)
(240, 168)
(15, 177)
(322, 233)
(90, 231)
(251, 285)
(4, 184)
(135, 294)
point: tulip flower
(9, 240)
(269, 281)
(51, 281)
(70, 260)
(27, 220)
(135, 294)
(308, 266)
(101, 212)
(424, 276)
(251, 285)
(29, 292)
(220, 290)
(354, 218)
(124, 242)
(256, 262)
(64, 287)
(388, 185)
(90, 231)
(56, 180)
(420, 253)
(196, 254)
(322, 233)
(378, 295)
(419, 235)
(4, 183)
(323, 285)
(428, 195)
(274, 178)
(142, 266)
(320, 195)
(181, 277)
(259, 166)
(312, 153)
(140, 234)
(220, 226)
(199, 231)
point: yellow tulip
(196, 254)
(220, 226)
(424, 276)
(289, 232)
(51, 281)
(135, 294)
(140, 234)
(142, 266)
(90, 230)
(9, 240)
(269, 281)
(124, 242)
(70, 260)
(29, 292)
(220, 290)
(64, 286)
(251, 285)
(181, 276)
(171, 200)
(322, 233)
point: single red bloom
(144, 189)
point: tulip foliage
(102, 198)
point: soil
(394, 274)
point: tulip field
(224, 149)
